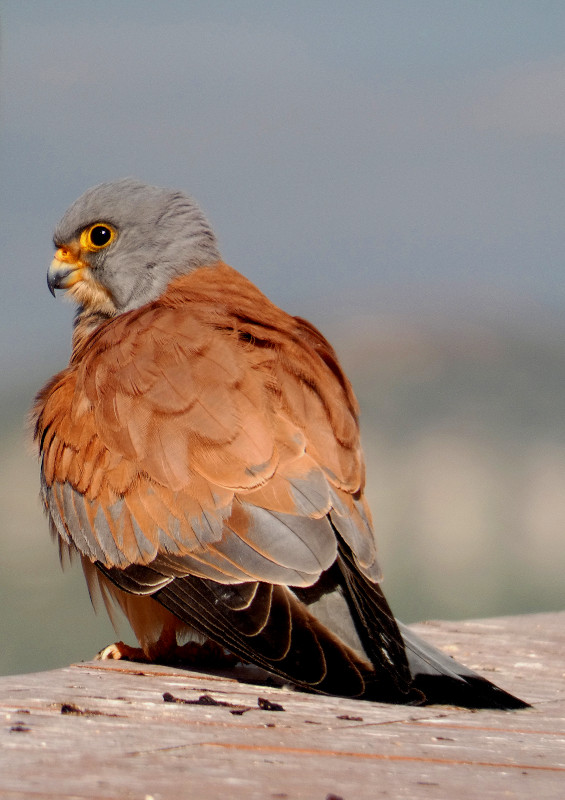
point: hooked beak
(65, 270)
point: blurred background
(392, 170)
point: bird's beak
(65, 270)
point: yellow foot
(119, 651)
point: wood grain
(104, 730)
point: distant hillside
(464, 434)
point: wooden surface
(104, 730)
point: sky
(353, 157)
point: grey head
(153, 235)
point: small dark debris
(268, 705)
(19, 727)
(333, 797)
(350, 718)
(203, 700)
(206, 700)
(23, 711)
(71, 708)
(312, 722)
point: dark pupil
(99, 236)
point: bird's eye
(97, 236)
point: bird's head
(121, 243)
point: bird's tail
(444, 680)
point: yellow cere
(66, 255)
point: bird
(201, 455)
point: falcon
(201, 455)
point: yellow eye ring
(97, 236)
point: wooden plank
(104, 730)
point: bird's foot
(120, 651)
(203, 655)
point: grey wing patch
(258, 545)
(69, 522)
(259, 564)
(85, 524)
(58, 527)
(358, 534)
(304, 544)
(122, 519)
(311, 494)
